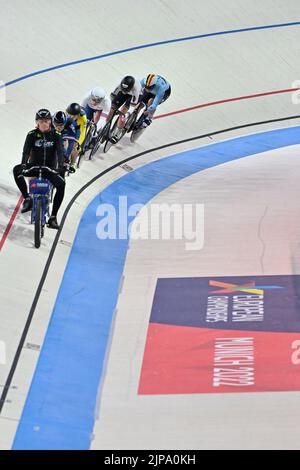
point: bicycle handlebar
(67, 137)
(39, 167)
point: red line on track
(11, 221)
(229, 100)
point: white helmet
(97, 94)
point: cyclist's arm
(83, 125)
(136, 93)
(27, 147)
(158, 97)
(104, 113)
(85, 100)
(59, 150)
(115, 92)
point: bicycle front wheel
(79, 158)
(96, 146)
(136, 134)
(111, 132)
(38, 223)
(131, 121)
(107, 145)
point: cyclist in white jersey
(97, 106)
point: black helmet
(74, 109)
(59, 118)
(127, 83)
(43, 114)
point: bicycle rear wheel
(38, 223)
(107, 145)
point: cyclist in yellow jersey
(79, 116)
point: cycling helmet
(73, 109)
(151, 80)
(43, 114)
(97, 94)
(127, 83)
(59, 118)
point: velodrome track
(96, 382)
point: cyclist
(156, 90)
(97, 105)
(43, 146)
(66, 126)
(126, 96)
(77, 114)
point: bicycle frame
(136, 127)
(110, 129)
(90, 132)
(40, 188)
(133, 118)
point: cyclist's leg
(74, 155)
(22, 185)
(166, 95)
(97, 116)
(111, 112)
(115, 104)
(149, 116)
(130, 115)
(124, 110)
(20, 181)
(69, 144)
(66, 146)
(119, 100)
(100, 119)
(59, 184)
(120, 131)
(74, 151)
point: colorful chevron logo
(249, 288)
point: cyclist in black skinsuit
(43, 146)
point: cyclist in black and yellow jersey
(78, 115)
